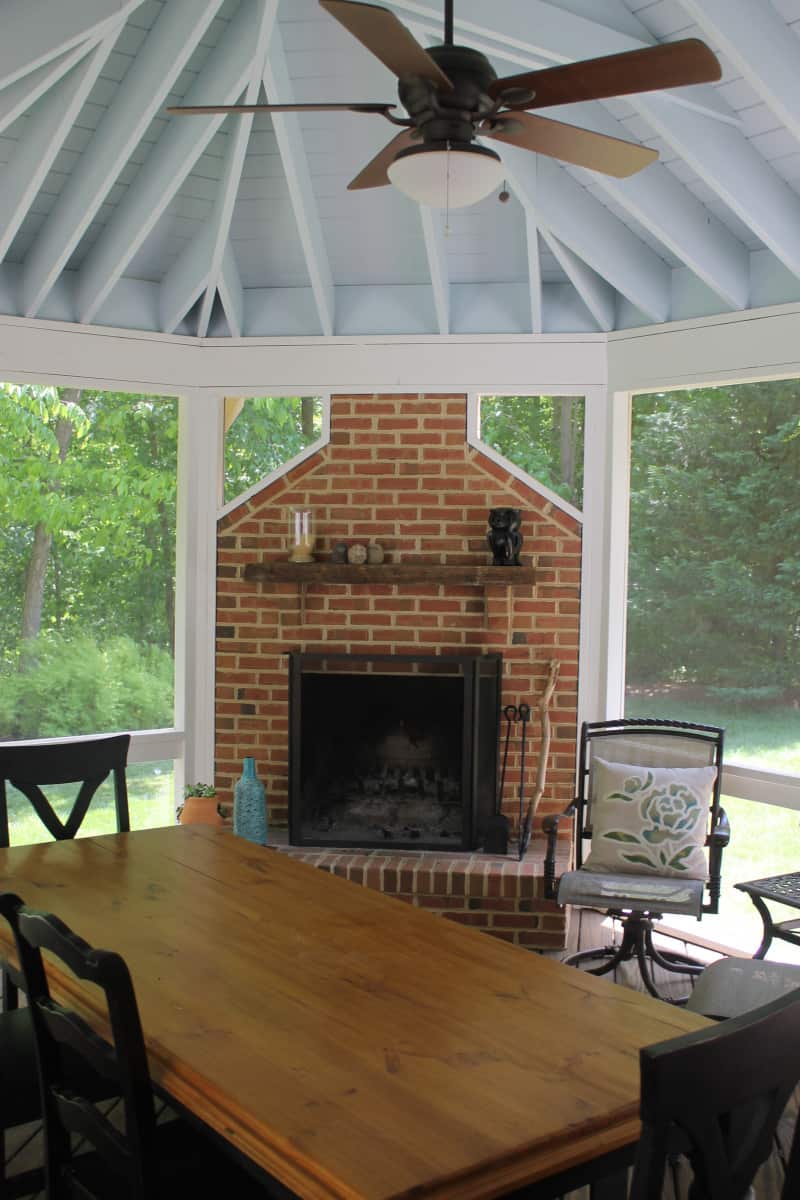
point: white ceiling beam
(165, 52)
(434, 234)
(33, 157)
(231, 293)
(549, 35)
(36, 31)
(534, 271)
(598, 295)
(236, 147)
(18, 98)
(169, 162)
(184, 281)
(565, 208)
(660, 202)
(288, 133)
(753, 36)
(724, 159)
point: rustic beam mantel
(309, 573)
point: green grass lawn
(150, 798)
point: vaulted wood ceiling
(114, 213)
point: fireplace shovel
(497, 827)
(524, 824)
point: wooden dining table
(350, 1045)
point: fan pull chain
(447, 193)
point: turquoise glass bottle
(249, 805)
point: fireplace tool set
(497, 829)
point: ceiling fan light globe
(446, 177)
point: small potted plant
(200, 805)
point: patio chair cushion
(643, 894)
(650, 819)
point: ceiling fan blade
(207, 109)
(387, 38)
(612, 156)
(671, 64)
(374, 173)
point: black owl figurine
(504, 537)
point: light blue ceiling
(114, 213)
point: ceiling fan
(452, 94)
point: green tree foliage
(715, 539)
(268, 432)
(87, 545)
(541, 434)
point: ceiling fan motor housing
(444, 115)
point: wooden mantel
(327, 572)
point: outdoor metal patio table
(348, 1044)
(778, 889)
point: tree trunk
(567, 442)
(36, 570)
(307, 417)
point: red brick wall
(397, 470)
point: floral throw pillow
(650, 820)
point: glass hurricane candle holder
(301, 535)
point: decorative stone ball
(357, 553)
(339, 552)
(374, 552)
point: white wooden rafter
(753, 36)
(235, 152)
(593, 233)
(35, 154)
(288, 133)
(21, 95)
(654, 197)
(595, 292)
(231, 293)
(42, 30)
(561, 36)
(534, 271)
(169, 162)
(433, 232)
(165, 52)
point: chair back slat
(31, 767)
(130, 1153)
(722, 1090)
(643, 742)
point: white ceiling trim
(43, 30)
(298, 178)
(44, 137)
(169, 162)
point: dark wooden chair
(717, 1096)
(639, 896)
(135, 1157)
(31, 768)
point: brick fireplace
(398, 470)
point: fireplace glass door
(392, 751)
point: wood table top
(353, 1046)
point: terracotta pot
(200, 810)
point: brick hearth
(398, 470)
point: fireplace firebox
(392, 750)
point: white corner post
(200, 460)
(605, 555)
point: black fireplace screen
(392, 751)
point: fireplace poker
(496, 838)
(524, 824)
